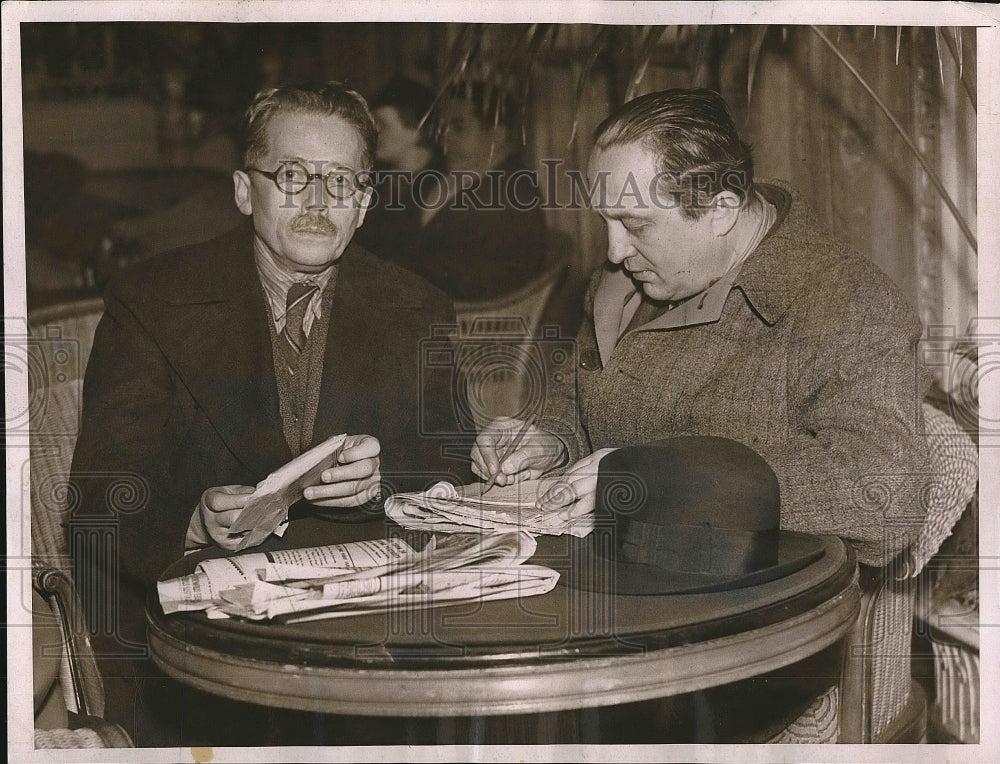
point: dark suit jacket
(180, 394)
(486, 251)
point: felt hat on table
(685, 515)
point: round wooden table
(568, 649)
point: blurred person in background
(405, 149)
(483, 231)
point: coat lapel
(351, 346)
(219, 343)
(612, 293)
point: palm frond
(937, 47)
(645, 54)
(702, 56)
(519, 59)
(756, 44)
(928, 169)
(967, 84)
(465, 46)
(510, 74)
(539, 35)
(957, 31)
(596, 46)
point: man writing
(217, 363)
(725, 309)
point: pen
(507, 452)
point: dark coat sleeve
(424, 436)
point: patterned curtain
(813, 124)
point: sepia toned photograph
(591, 382)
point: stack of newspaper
(446, 508)
(360, 577)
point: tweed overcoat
(812, 364)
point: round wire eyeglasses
(294, 177)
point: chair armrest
(876, 679)
(950, 486)
(85, 688)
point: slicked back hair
(699, 152)
(331, 98)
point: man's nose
(317, 196)
(619, 246)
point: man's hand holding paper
(354, 480)
(537, 453)
(344, 471)
(217, 511)
(573, 494)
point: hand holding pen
(510, 450)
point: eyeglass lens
(293, 177)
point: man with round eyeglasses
(219, 362)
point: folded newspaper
(447, 508)
(360, 577)
(267, 507)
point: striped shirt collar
(276, 281)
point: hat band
(697, 548)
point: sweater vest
(299, 375)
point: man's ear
(725, 210)
(241, 192)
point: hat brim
(592, 571)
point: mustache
(313, 222)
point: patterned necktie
(296, 304)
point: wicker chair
(60, 636)
(877, 700)
(524, 306)
(72, 322)
(948, 612)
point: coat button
(590, 359)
